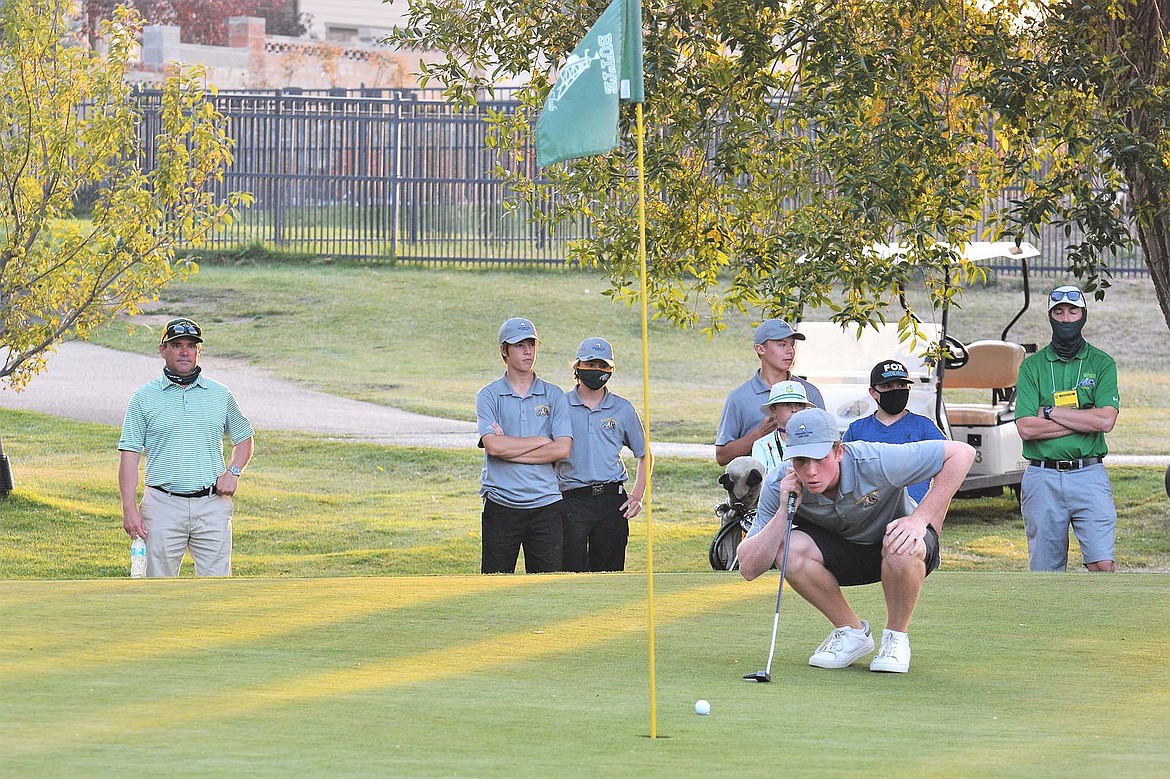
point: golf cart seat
(991, 365)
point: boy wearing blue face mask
(1066, 401)
(892, 422)
(598, 509)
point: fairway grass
(1014, 674)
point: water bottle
(138, 558)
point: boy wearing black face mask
(598, 509)
(1066, 401)
(892, 422)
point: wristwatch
(1048, 412)
(235, 470)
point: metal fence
(402, 174)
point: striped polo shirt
(181, 431)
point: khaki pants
(175, 525)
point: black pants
(596, 533)
(505, 530)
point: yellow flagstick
(646, 499)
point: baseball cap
(595, 349)
(887, 371)
(775, 330)
(517, 329)
(182, 328)
(1066, 294)
(785, 392)
(811, 433)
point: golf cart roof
(975, 251)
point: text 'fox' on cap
(786, 392)
(182, 327)
(1066, 294)
(887, 371)
(775, 330)
(517, 329)
(595, 349)
(811, 433)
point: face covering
(183, 381)
(894, 401)
(593, 379)
(1066, 336)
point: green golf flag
(580, 116)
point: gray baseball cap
(517, 329)
(775, 330)
(811, 433)
(594, 348)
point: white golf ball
(702, 707)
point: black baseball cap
(182, 328)
(886, 371)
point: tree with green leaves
(786, 137)
(72, 127)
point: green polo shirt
(1092, 373)
(181, 431)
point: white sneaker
(894, 656)
(843, 647)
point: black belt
(1067, 465)
(612, 488)
(203, 493)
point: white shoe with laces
(894, 656)
(843, 647)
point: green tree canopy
(811, 129)
(72, 126)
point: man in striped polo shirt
(179, 421)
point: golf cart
(838, 362)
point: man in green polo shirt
(179, 421)
(1066, 401)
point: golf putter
(766, 674)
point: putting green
(1013, 675)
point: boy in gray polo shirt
(598, 509)
(855, 524)
(524, 429)
(742, 422)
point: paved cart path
(92, 384)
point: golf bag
(742, 480)
(724, 546)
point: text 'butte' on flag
(580, 116)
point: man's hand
(133, 523)
(904, 536)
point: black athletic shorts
(855, 564)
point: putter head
(760, 676)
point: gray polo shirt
(741, 410)
(542, 412)
(598, 437)
(870, 495)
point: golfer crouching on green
(855, 524)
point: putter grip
(791, 503)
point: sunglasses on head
(184, 329)
(1071, 295)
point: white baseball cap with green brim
(786, 392)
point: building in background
(350, 21)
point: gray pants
(1052, 500)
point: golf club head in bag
(765, 675)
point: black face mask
(183, 381)
(593, 379)
(894, 401)
(1066, 336)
